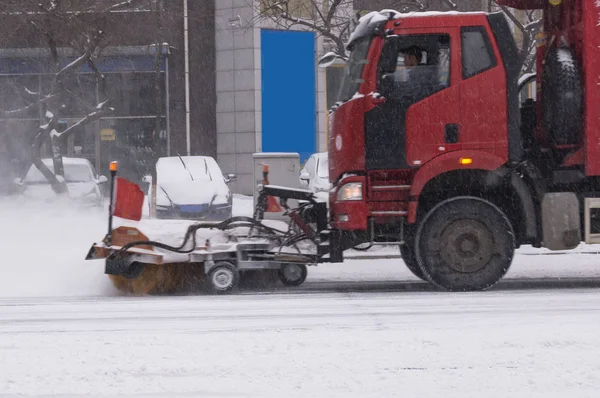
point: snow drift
(45, 247)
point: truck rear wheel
(465, 244)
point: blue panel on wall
(288, 92)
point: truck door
(420, 116)
(483, 88)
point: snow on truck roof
(367, 23)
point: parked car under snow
(82, 182)
(314, 176)
(192, 188)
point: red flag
(272, 205)
(128, 200)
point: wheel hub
(466, 246)
(222, 278)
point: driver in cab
(421, 78)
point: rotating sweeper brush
(211, 256)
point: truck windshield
(354, 69)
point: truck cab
(390, 134)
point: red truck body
(474, 104)
(396, 164)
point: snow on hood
(190, 180)
(190, 192)
(78, 191)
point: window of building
(477, 54)
(16, 94)
(81, 99)
(132, 94)
(129, 135)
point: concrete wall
(238, 88)
(238, 92)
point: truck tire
(562, 97)
(464, 244)
(407, 251)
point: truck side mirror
(147, 179)
(329, 58)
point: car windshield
(187, 169)
(73, 173)
(323, 167)
(354, 69)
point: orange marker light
(114, 166)
(465, 161)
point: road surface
(494, 344)
(365, 328)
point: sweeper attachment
(211, 256)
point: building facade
(270, 93)
(130, 134)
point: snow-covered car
(192, 188)
(314, 176)
(83, 184)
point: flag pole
(113, 173)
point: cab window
(415, 66)
(477, 54)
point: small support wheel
(293, 274)
(223, 277)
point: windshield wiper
(207, 170)
(168, 197)
(185, 167)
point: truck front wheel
(464, 244)
(407, 251)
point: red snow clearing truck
(454, 167)
(430, 148)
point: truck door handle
(451, 135)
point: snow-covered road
(365, 328)
(494, 344)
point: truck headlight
(350, 191)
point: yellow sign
(555, 2)
(107, 135)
